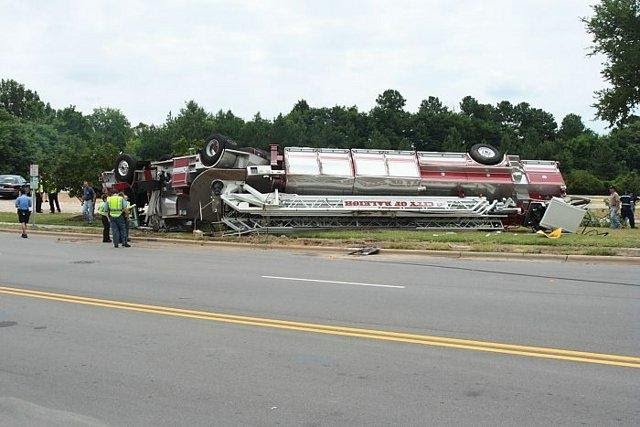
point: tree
(604, 161)
(428, 128)
(472, 108)
(432, 106)
(68, 120)
(626, 139)
(110, 126)
(391, 100)
(301, 106)
(584, 182)
(21, 102)
(581, 149)
(154, 142)
(571, 127)
(255, 132)
(628, 183)
(17, 146)
(225, 123)
(538, 124)
(615, 28)
(390, 120)
(379, 141)
(76, 160)
(189, 128)
(453, 141)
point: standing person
(103, 210)
(39, 192)
(116, 205)
(53, 200)
(52, 194)
(95, 197)
(88, 197)
(627, 203)
(23, 204)
(614, 207)
(127, 212)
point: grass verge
(623, 242)
(67, 219)
(618, 242)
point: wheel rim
(212, 148)
(123, 168)
(486, 152)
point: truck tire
(533, 216)
(485, 154)
(214, 147)
(125, 168)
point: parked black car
(10, 185)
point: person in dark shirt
(103, 210)
(88, 197)
(23, 204)
(627, 206)
(51, 190)
(39, 192)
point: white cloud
(147, 58)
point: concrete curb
(339, 249)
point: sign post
(33, 183)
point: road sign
(33, 170)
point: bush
(584, 182)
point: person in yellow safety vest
(103, 210)
(116, 204)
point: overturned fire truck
(250, 190)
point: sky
(148, 58)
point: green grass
(618, 242)
(617, 238)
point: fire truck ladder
(279, 212)
(242, 224)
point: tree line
(71, 146)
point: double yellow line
(486, 346)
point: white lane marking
(333, 282)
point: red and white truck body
(251, 190)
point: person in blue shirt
(23, 204)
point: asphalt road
(67, 361)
